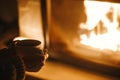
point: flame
(103, 23)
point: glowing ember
(103, 23)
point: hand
(33, 57)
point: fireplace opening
(85, 30)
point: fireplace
(82, 33)
(86, 33)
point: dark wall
(8, 10)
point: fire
(103, 23)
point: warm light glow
(103, 24)
(19, 38)
(30, 20)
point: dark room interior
(76, 39)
